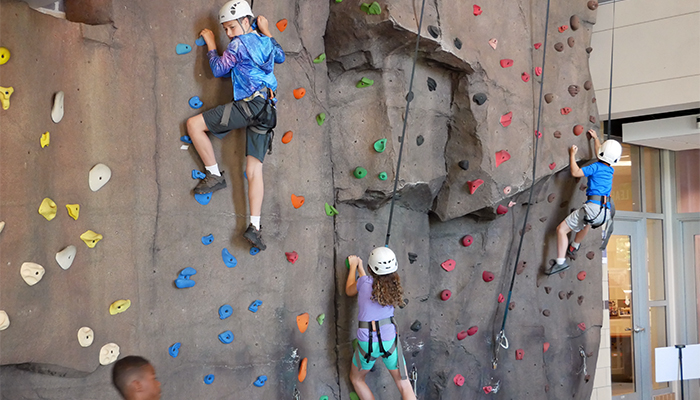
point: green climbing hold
(354, 396)
(383, 176)
(360, 172)
(330, 210)
(347, 263)
(320, 58)
(320, 119)
(326, 397)
(320, 319)
(364, 82)
(355, 343)
(371, 9)
(380, 145)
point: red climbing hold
(473, 185)
(299, 93)
(472, 331)
(581, 275)
(462, 335)
(538, 134)
(501, 209)
(578, 129)
(448, 265)
(292, 257)
(538, 71)
(552, 166)
(493, 43)
(519, 354)
(545, 347)
(506, 119)
(445, 295)
(297, 201)
(506, 190)
(487, 276)
(525, 76)
(582, 326)
(287, 137)
(477, 10)
(501, 157)
(467, 241)
(501, 298)
(487, 389)
(563, 28)
(565, 110)
(459, 380)
(537, 46)
(506, 62)
(282, 25)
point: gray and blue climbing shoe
(210, 184)
(557, 268)
(254, 237)
(571, 252)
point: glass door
(690, 236)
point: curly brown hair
(386, 289)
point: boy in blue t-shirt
(249, 60)
(596, 210)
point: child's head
(236, 18)
(610, 152)
(135, 378)
(386, 288)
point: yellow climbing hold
(73, 210)
(119, 306)
(5, 93)
(45, 139)
(48, 209)
(90, 238)
(4, 55)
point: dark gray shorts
(256, 143)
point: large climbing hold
(90, 238)
(292, 257)
(229, 260)
(297, 201)
(5, 93)
(501, 157)
(65, 257)
(119, 306)
(73, 210)
(506, 119)
(303, 322)
(575, 22)
(99, 175)
(302, 369)
(47, 209)
(473, 185)
(31, 273)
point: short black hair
(124, 370)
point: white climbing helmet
(382, 261)
(610, 152)
(234, 9)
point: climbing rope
(608, 128)
(409, 98)
(501, 339)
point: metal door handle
(636, 329)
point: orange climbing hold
(581, 275)
(303, 322)
(473, 185)
(297, 201)
(506, 62)
(506, 119)
(287, 137)
(578, 129)
(299, 93)
(501, 157)
(282, 25)
(563, 28)
(302, 369)
(545, 347)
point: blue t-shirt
(372, 311)
(600, 178)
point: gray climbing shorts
(256, 143)
(590, 211)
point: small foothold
(85, 335)
(522, 264)
(186, 139)
(297, 201)
(479, 98)
(537, 46)
(582, 326)
(202, 198)
(254, 251)
(197, 174)
(184, 283)
(573, 90)
(287, 137)
(182, 48)
(562, 294)
(56, 110)
(2, 225)
(473, 185)
(548, 97)
(109, 353)
(458, 380)
(581, 275)
(260, 382)
(321, 318)
(364, 82)
(506, 119)
(563, 28)
(445, 295)
(434, 31)
(570, 41)
(538, 71)
(200, 41)
(559, 46)
(501, 298)
(538, 134)
(320, 119)
(360, 172)
(493, 43)
(525, 77)
(253, 307)
(467, 240)
(281, 24)
(462, 335)
(31, 273)
(501, 157)
(588, 85)
(226, 337)
(578, 129)
(207, 240)
(511, 306)
(47, 209)
(302, 369)
(225, 311)
(119, 306)
(477, 10)
(412, 257)
(299, 93)
(416, 325)
(519, 354)
(575, 22)
(501, 209)
(303, 322)
(569, 294)
(592, 5)
(546, 313)
(548, 289)
(464, 164)
(565, 110)
(380, 145)
(209, 379)
(487, 276)
(174, 350)
(73, 210)
(369, 227)
(186, 273)
(589, 50)
(472, 331)
(592, 119)
(383, 176)
(195, 102)
(45, 139)
(552, 166)
(506, 62)
(448, 265)
(65, 257)
(321, 58)
(292, 257)
(99, 176)
(580, 300)
(229, 260)
(90, 238)
(557, 134)
(590, 255)
(551, 197)
(5, 93)
(420, 140)
(4, 55)
(432, 85)
(487, 389)
(330, 210)
(506, 190)
(458, 43)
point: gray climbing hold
(458, 43)
(420, 140)
(479, 98)
(464, 164)
(369, 227)
(434, 31)
(551, 197)
(548, 97)
(589, 50)
(580, 300)
(562, 294)
(412, 257)
(416, 325)
(546, 313)
(548, 289)
(588, 85)
(432, 85)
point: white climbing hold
(109, 353)
(65, 257)
(4, 320)
(57, 109)
(85, 336)
(31, 273)
(99, 176)
(2, 226)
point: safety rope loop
(409, 98)
(608, 129)
(582, 352)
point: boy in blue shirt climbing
(249, 60)
(596, 210)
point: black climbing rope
(608, 128)
(501, 339)
(409, 98)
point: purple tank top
(372, 311)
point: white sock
(576, 245)
(213, 169)
(255, 220)
(560, 261)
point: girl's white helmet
(610, 152)
(234, 9)
(382, 261)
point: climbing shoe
(557, 268)
(210, 183)
(571, 252)
(254, 237)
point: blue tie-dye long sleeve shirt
(250, 60)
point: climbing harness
(501, 339)
(297, 395)
(375, 326)
(265, 120)
(413, 378)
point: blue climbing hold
(209, 379)
(174, 350)
(187, 272)
(254, 250)
(195, 102)
(260, 382)
(254, 305)
(182, 48)
(197, 174)
(207, 239)
(200, 41)
(184, 283)
(226, 337)
(229, 260)
(225, 311)
(203, 199)
(186, 139)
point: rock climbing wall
(463, 193)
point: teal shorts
(391, 362)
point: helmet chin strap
(241, 25)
